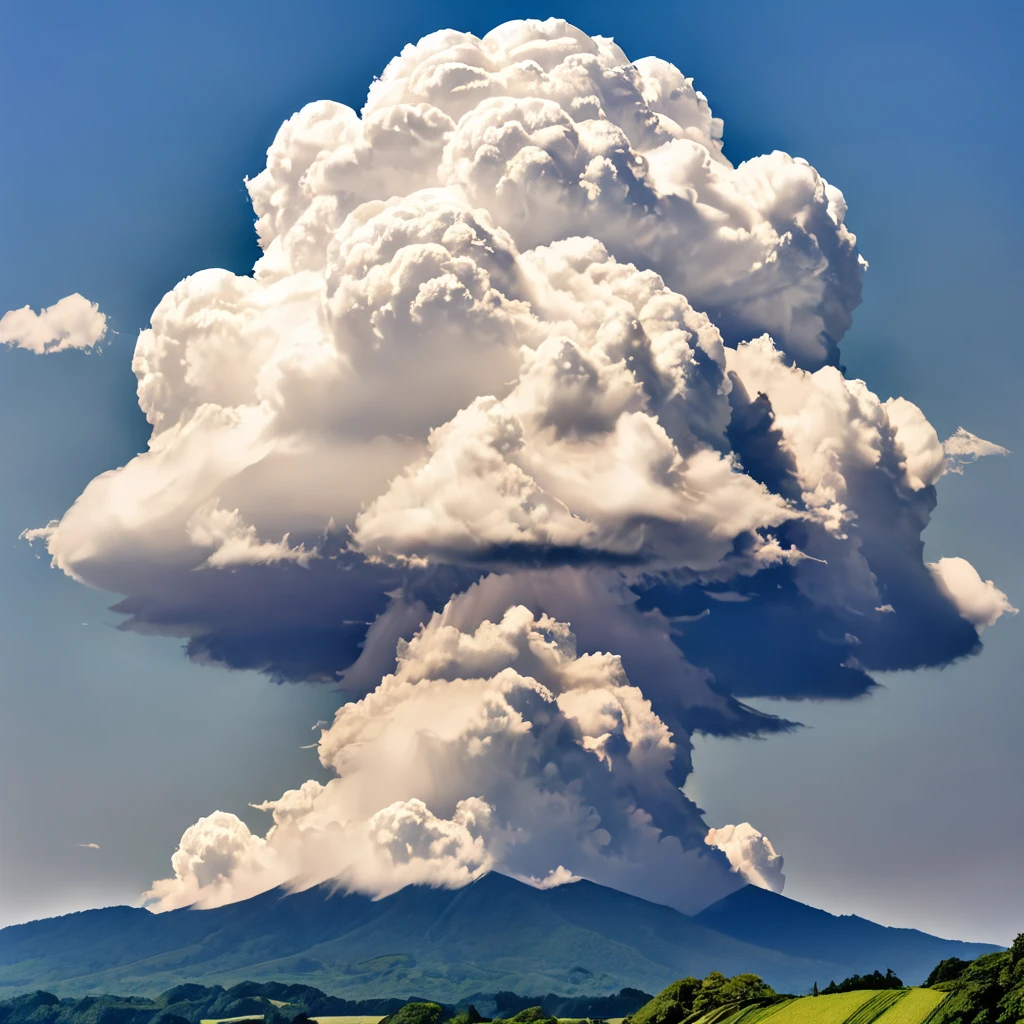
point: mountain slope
(765, 918)
(496, 934)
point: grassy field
(834, 1009)
(899, 1006)
(757, 1014)
(914, 1008)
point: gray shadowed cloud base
(529, 430)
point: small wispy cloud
(89, 846)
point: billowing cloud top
(73, 322)
(521, 321)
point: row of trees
(859, 982)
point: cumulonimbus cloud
(72, 322)
(524, 356)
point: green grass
(720, 1015)
(915, 1008)
(756, 1014)
(833, 1009)
(878, 1004)
(897, 1006)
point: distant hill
(765, 918)
(495, 934)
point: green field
(913, 1008)
(757, 1014)
(898, 1006)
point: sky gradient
(133, 131)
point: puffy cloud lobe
(979, 601)
(751, 855)
(217, 861)
(522, 333)
(498, 746)
(72, 322)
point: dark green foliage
(251, 1001)
(718, 990)
(670, 1005)
(187, 1004)
(947, 970)
(470, 1015)
(531, 1015)
(710, 995)
(859, 982)
(989, 990)
(745, 988)
(416, 1013)
(622, 1004)
(691, 997)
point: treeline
(622, 1004)
(989, 990)
(859, 982)
(190, 1003)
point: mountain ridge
(756, 915)
(494, 934)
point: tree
(744, 988)
(946, 970)
(815, 992)
(710, 994)
(670, 1005)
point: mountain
(765, 918)
(493, 935)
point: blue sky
(129, 131)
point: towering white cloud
(497, 745)
(525, 358)
(72, 322)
